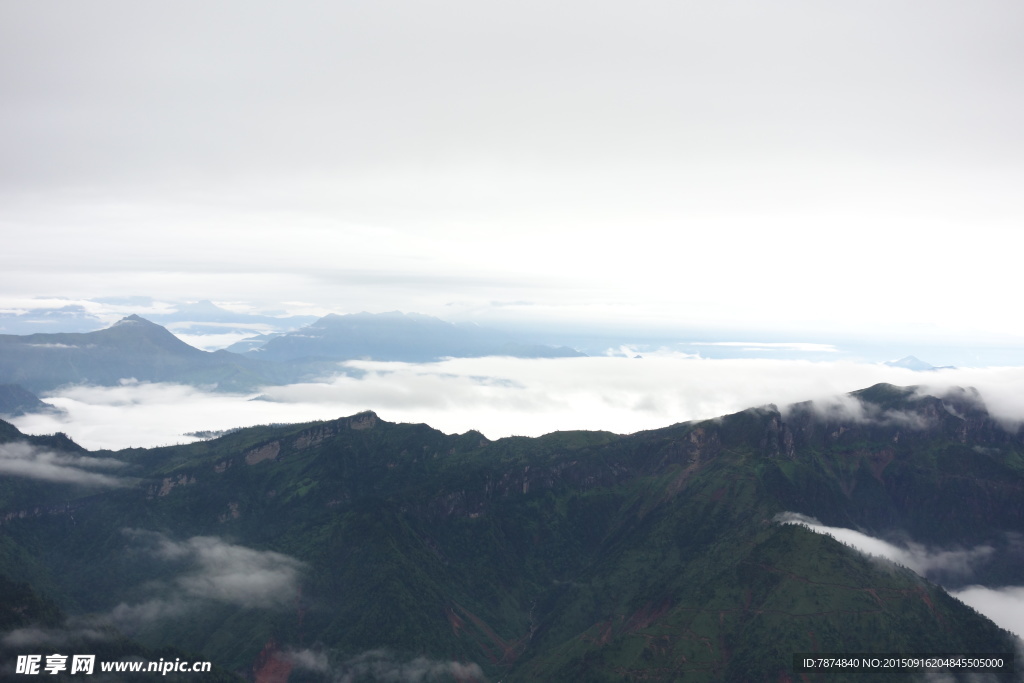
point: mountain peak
(910, 363)
(132, 319)
(916, 364)
(135, 329)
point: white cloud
(384, 666)
(213, 570)
(213, 342)
(153, 414)
(846, 408)
(774, 346)
(33, 636)
(20, 459)
(311, 660)
(1004, 605)
(955, 562)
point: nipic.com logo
(33, 665)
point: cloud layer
(661, 161)
(507, 396)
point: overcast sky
(793, 166)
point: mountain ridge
(139, 349)
(573, 556)
(395, 336)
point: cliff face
(573, 556)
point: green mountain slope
(574, 556)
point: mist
(211, 569)
(20, 459)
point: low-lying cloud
(381, 665)
(846, 408)
(34, 636)
(20, 459)
(1004, 605)
(212, 570)
(956, 563)
(508, 396)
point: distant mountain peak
(916, 364)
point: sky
(789, 171)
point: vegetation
(574, 556)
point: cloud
(146, 414)
(34, 636)
(215, 570)
(213, 342)
(846, 408)
(1004, 606)
(955, 563)
(774, 346)
(384, 666)
(21, 459)
(381, 665)
(506, 396)
(353, 142)
(310, 660)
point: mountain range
(357, 549)
(201, 317)
(395, 336)
(137, 349)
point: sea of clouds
(498, 396)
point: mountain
(913, 363)
(136, 348)
(201, 317)
(131, 348)
(16, 400)
(394, 336)
(364, 549)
